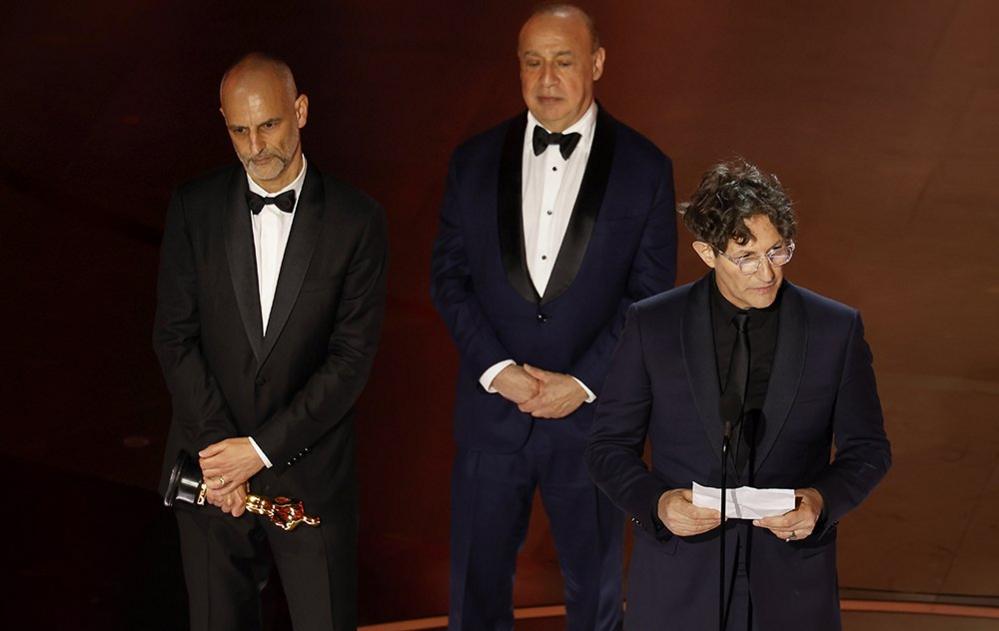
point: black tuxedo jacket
(663, 384)
(292, 390)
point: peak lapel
(302, 241)
(785, 376)
(243, 260)
(585, 210)
(699, 356)
(510, 216)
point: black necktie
(734, 397)
(566, 142)
(285, 201)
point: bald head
(567, 11)
(264, 112)
(255, 68)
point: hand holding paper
(800, 522)
(682, 518)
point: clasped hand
(226, 466)
(233, 503)
(540, 393)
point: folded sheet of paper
(745, 502)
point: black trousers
(227, 562)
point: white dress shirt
(271, 227)
(550, 185)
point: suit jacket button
(543, 318)
(261, 380)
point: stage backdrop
(880, 119)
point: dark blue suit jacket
(663, 383)
(620, 246)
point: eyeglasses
(749, 264)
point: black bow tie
(285, 201)
(566, 142)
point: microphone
(730, 410)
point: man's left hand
(227, 464)
(798, 523)
(560, 395)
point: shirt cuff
(486, 380)
(260, 452)
(590, 397)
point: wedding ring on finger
(791, 537)
(221, 481)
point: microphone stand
(726, 443)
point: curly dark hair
(730, 193)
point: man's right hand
(678, 513)
(233, 503)
(514, 384)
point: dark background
(881, 119)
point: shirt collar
(584, 126)
(296, 184)
(726, 310)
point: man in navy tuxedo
(791, 370)
(553, 223)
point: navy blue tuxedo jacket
(620, 246)
(663, 384)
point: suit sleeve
(330, 393)
(652, 272)
(620, 425)
(863, 454)
(453, 292)
(198, 404)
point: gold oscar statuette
(187, 485)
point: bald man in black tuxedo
(270, 301)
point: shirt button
(554, 168)
(549, 212)
(544, 257)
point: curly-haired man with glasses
(790, 371)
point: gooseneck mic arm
(730, 410)
(726, 443)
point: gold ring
(221, 482)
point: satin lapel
(510, 217)
(699, 356)
(785, 376)
(243, 260)
(585, 210)
(297, 255)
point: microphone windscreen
(730, 409)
